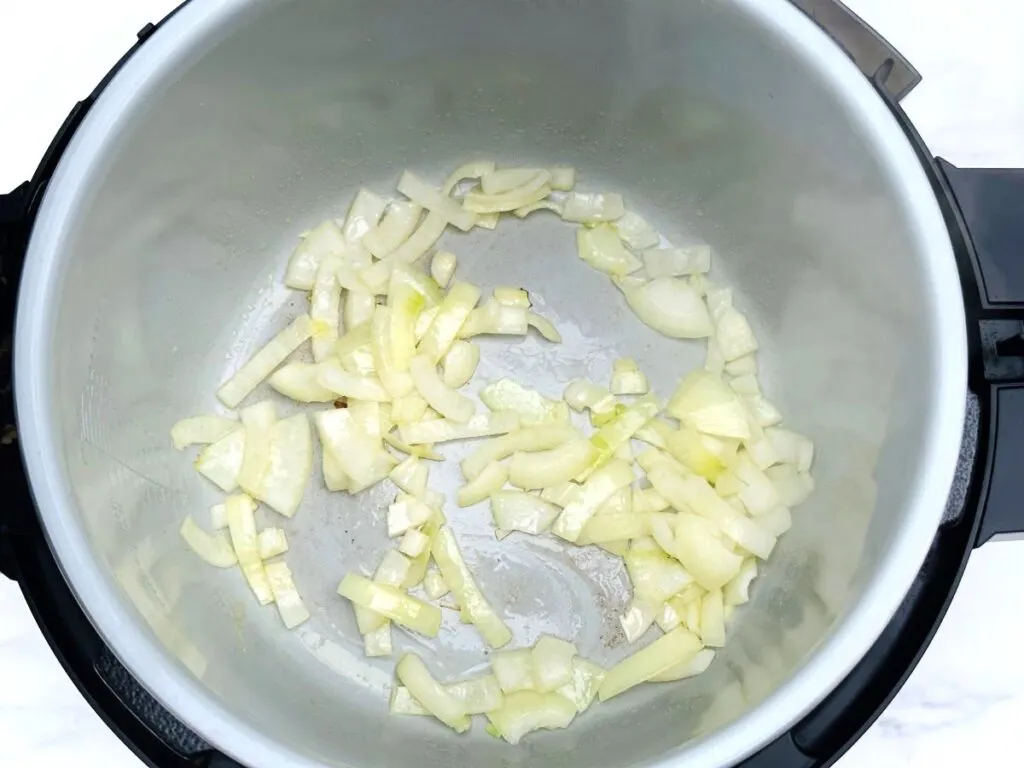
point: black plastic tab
(1002, 504)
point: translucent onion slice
(442, 267)
(687, 446)
(221, 462)
(628, 379)
(647, 500)
(411, 476)
(392, 571)
(675, 262)
(201, 430)
(441, 398)
(271, 542)
(526, 711)
(408, 409)
(670, 650)
(407, 512)
(707, 403)
(601, 248)
(734, 335)
(712, 619)
(741, 366)
(418, 566)
(363, 215)
(496, 319)
(671, 307)
(378, 643)
(698, 547)
(593, 208)
(604, 482)
(459, 363)
(326, 239)
(471, 170)
(289, 604)
(214, 548)
(392, 603)
(491, 480)
(540, 205)
(413, 543)
(435, 200)
(263, 363)
(541, 438)
(513, 670)
(419, 451)
(409, 293)
(655, 576)
(359, 308)
(474, 605)
(695, 666)
(258, 420)
(586, 679)
(792, 448)
(544, 327)
(478, 695)
(535, 189)
(615, 526)
(500, 181)
(792, 487)
(291, 462)
(619, 431)
(530, 471)
(533, 408)
(218, 517)
(331, 376)
(737, 591)
(637, 619)
(398, 224)
(776, 521)
(298, 381)
(453, 312)
(242, 526)
(360, 457)
(434, 585)
(325, 307)
(428, 233)
(521, 511)
(582, 394)
(635, 232)
(432, 695)
(552, 663)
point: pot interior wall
(710, 126)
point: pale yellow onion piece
(500, 181)
(713, 361)
(637, 619)
(477, 694)
(671, 307)
(333, 377)
(242, 526)
(435, 200)
(560, 495)
(326, 239)
(712, 619)
(655, 576)
(396, 382)
(552, 660)
(593, 208)
(363, 215)
(540, 438)
(418, 566)
(409, 293)
(392, 603)
(668, 617)
(426, 317)
(792, 487)
(526, 711)
(334, 476)
(687, 445)
(263, 363)
(601, 248)
(635, 232)
(214, 548)
(392, 570)
(653, 458)
(619, 503)
(628, 379)
(676, 262)
(432, 695)
(580, 394)
(619, 431)
(511, 297)
(258, 420)
(615, 526)
(540, 205)
(434, 585)
(413, 543)
(543, 468)
(471, 170)
(521, 511)
(586, 679)
(325, 307)
(707, 403)
(355, 338)
(367, 417)
(535, 189)
(459, 363)
(563, 177)
(777, 521)
(604, 482)
(676, 647)
(741, 366)
(403, 703)
(397, 225)
(792, 448)
(702, 553)
(533, 408)
(411, 476)
(221, 462)
(695, 666)
(719, 299)
(291, 463)
(419, 451)
(442, 399)
(298, 381)
(360, 457)
(201, 430)
(408, 409)
(271, 542)
(513, 670)
(544, 327)
(648, 500)
(496, 319)
(422, 240)
(218, 517)
(737, 591)
(359, 308)
(407, 512)
(442, 267)
(491, 480)
(474, 605)
(289, 604)
(734, 335)
(487, 220)
(455, 308)
(378, 643)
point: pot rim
(196, 24)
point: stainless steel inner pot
(154, 270)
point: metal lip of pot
(195, 27)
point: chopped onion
(628, 379)
(792, 448)
(434, 585)
(324, 240)
(408, 409)
(586, 679)
(719, 300)
(759, 496)
(512, 297)
(413, 543)
(541, 438)
(655, 576)
(218, 517)
(459, 363)
(560, 495)
(532, 190)
(359, 307)
(242, 527)
(637, 619)
(441, 398)
(333, 377)
(392, 603)
(541, 205)
(646, 500)
(671, 307)
(563, 178)
(734, 336)
(699, 548)
(363, 215)
(532, 407)
(263, 363)
(713, 361)
(435, 699)
(776, 521)
(498, 319)
(271, 542)
(593, 208)
(636, 232)
(792, 487)
(614, 526)
(595, 491)
(499, 182)
(478, 695)
(474, 604)
(471, 170)
(443, 430)
(442, 267)
(675, 262)
(601, 248)
(695, 666)
(582, 394)
(742, 366)
(378, 643)
(214, 548)
(299, 381)
(402, 702)
(526, 711)
(395, 228)
(521, 511)
(737, 591)
(674, 648)
(291, 462)
(258, 420)
(513, 670)
(411, 476)
(201, 430)
(617, 432)
(491, 480)
(544, 327)
(419, 451)
(687, 446)
(407, 512)
(289, 604)
(357, 455)
(552, 663)
(707, 403)
(557, 465)
(221, 462)
(432, 199)
(712, 619)
(325, 307)
(452, 314)
(419, 243)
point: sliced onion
(521, 511)
(459, 363)
(536, 188)
(499, 182)
(636, 232)
(358, 308)
(221, 462)
(291, 462)
(637, 619)
(263, 363)
(613, 526)
(687, 446)
(271, 542)
(675, 262)
(646, 500)
(674, 648)
(742, 366)
(792, 487)
(671, 307)
(776, 521)
(586, 679)
(707, 403)
(526, 711)
(713, 361)
(474, 604)
(601, 248)
(552, 660)
(419, 243)
(289, 604)
(702, 553)
(378, 643)
(452, 314)
(258, 421)
(214, 548)
(325, 307)
(737, 591)
(407, 512)
(593, 208)
(513, 670)
(419, 451)
(441, 398)
(719, 300)
(512, 297)
(218, 517)
(392, 603)
(695, 666)
(299, 381)
(408, 409)
(395, 228)
(497, 319)
(532, 407)
(531, 439)
(792, 448)
(619, 431)
(563, 178)
(604, 482)
(628, 379)
(435, 200)
(434, 585)
(443, 430)
(540, 205)
(242, 526)
(413, 543)
(558, 465)
(655, 576)
(560, 495)
(332, 377)
(442, 267)
(411, 476)
(544, 327)
(712, 619)
(734, 335)
(398, 383)
(363, 215)
(471, 170)
(478, 695)
(759, 496)
(491, 480)
(201, 430)
(324, 240)
(358, 456)
(432, 695)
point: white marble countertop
(965, 702)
